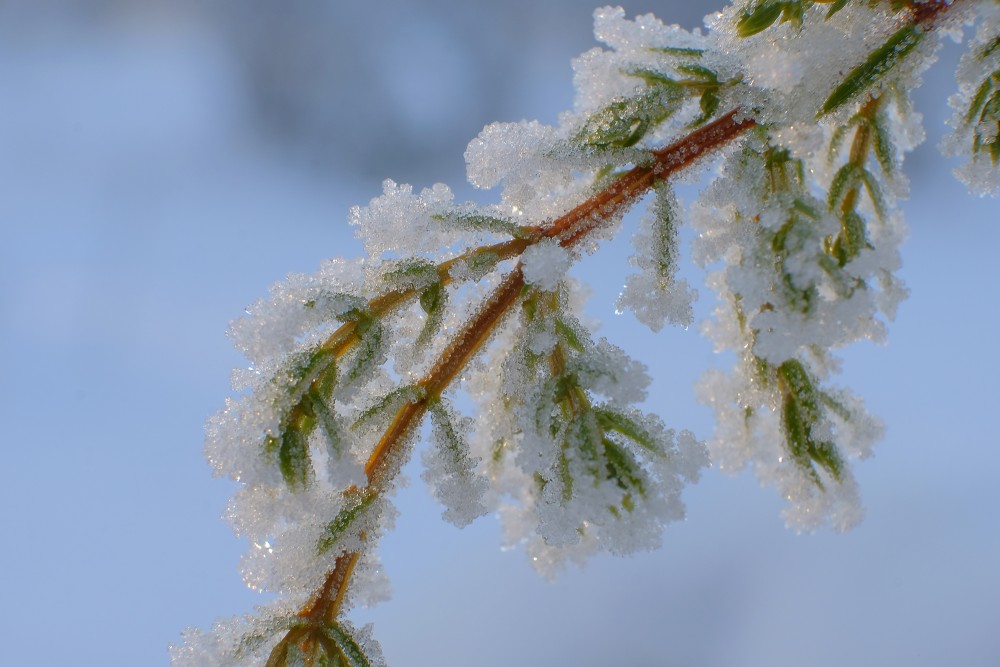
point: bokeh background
(162, 162)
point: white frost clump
(249, 640)
(400, 219)
(745, 436)
(793, 289)
(297, 313)
(598, 73)
(506, 150)
(545, 264)
(291, 562)
(582, 475)
(976, 121)
(655, 294)
(656, 301)
(790, 69)
(451, 470)
(535, 165)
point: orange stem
(325, 604)
(667, 161)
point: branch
(569, 228)
(386, 458)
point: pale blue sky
(162, 163)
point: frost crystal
(976, 123)
(544, 264)
(401, 219)
(452, 471)
(655, 294)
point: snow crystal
(598, 73)
(239, 640)
(748, 431)
(292, 562)
(612, 373)
(450, 470)
(370, 584)
(297, 314)
(536, 166)
(502, 149)
(654, 294)
(979, 172)
(545, 264)
(400, 220)
(571, 524)
(656, 301)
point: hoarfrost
(655, 294)
(296, 559)
(401, 220)
(790, 69)
(976, 121)
(451, 470)
(545, 264)
(503, 150)
(249, 640)
(746, 435)
(297, 314)
(243, 640)
(656, 301)
(598, 73)
(612, 373)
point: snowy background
(163, 162)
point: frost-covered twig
(803, 233)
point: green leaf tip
(625, 121)
(800, 414)
(382, 408)
(350, 654)
(433, 301)
(984, 110)
(313, 377)
(878, 63)
(290, 449)
(615, 421)
(488, 223)
(355, 505)
(413, 273)
(761, 15)
(444, 428)
(677, 51)
(758, 19)
(622, 468)
(835, 7)
(369, 351)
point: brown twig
(925, 13)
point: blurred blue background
(162, 162)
